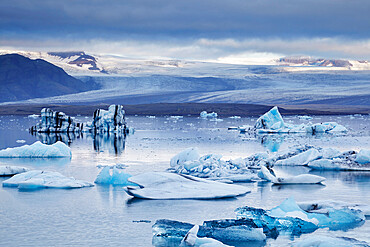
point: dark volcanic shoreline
(193, 109)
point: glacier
(37, 150)
(37, 179)
(164, 185)
(12, 170)
(265, 174)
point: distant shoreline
(193, 109)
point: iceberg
(205, 114)
(264, 173)
(211, 166)
(227, 230)
(191, 239)
(334, 218)
(302, 158)
(11, 170)
(116, 178)
(323, 206)
(112, 120)
(37, 150)
(272, 122)
(44, 179)
(346, 161)
(56, 122)
(163, 185)
(328, 241)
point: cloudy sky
(232, 30)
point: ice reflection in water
(113, 142)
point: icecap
(327, 241)
(112, 120)
(205, 114)
(56, 122)
(334, 218)
(37, 150)
(162, 185)
(225, 230)
(44, 179)
(264, 173)
(11, 170)
(348, 161)
(213, 167)
(118, 177)
(272, 122)
(191, 239)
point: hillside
(22, 78)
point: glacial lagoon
(105, 215)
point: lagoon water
(107, 216)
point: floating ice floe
(20, 141)
(235, 117)
(11, 170)
(334, 218)
(304, 117)
(265, 174)
(117, 177)
(191, 239)
(112, 120)
(272, 122)
(56, 122)
(37, 150)
(347, 161)
(33, 116)
(227, 230)
(162, 185)
(327, 241)
(205, 114)
(44, 179)
(211, 166)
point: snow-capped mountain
(297, 63)
(81, 63)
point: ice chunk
(191, 239)
(270, 120)
(300, 159)
(264, 173)
(11, 170)
(117, 177)
(347, 161)
(189, 154)
(363, 157)
(20, 141)
(205, 114)
(304, 117)
(213, 167)
(323, 206)
(328, 241)
(37, 150)
(333, 218)
(56, 122)
(226, 230)
(112, 120)
(44, 179)
(33, 116)
(162, 185)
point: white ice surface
(162, 185)
(44, 179)
(191, 239)
(11, 170)
(299, 179)
(37, 150)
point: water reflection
(113, 142)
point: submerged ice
(37, 150)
